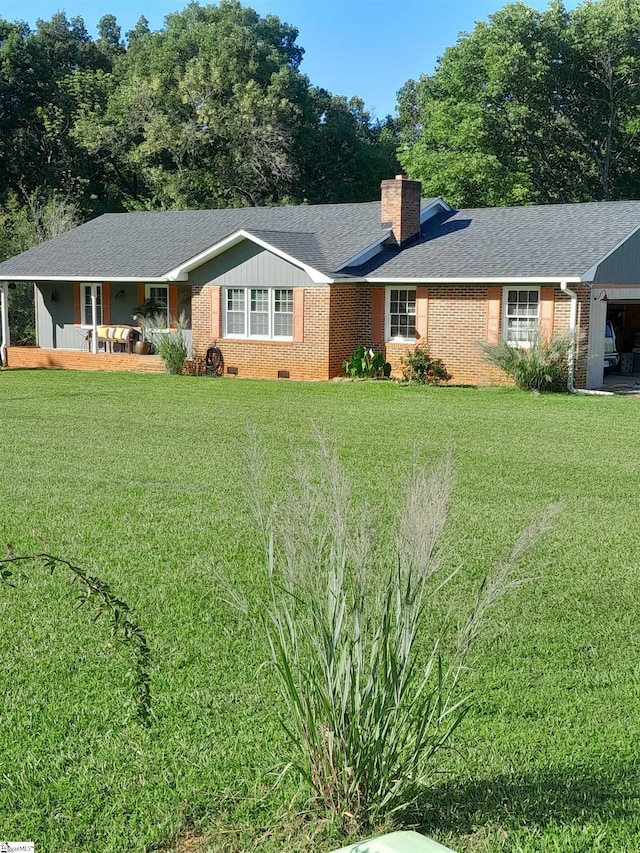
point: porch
(77, 323)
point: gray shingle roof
(150, 244)
(543, 241)
(539, 241)
(304, 246)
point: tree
(140, 30)
(530, 108)
(109, 42)
(211, 110)
(203, 112)
(38, 106)
(24, 226)
(344, 153)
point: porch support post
(5, 338)
(94, 320)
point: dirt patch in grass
(189, 843)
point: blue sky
(368, 48)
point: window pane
(283, 301)
(283, 313)
(259, 313)
(522, 315)
(283, 325)
(160, 295)
(235, 311)
(235, 299)
(402, 311)
(260, 300)
(258, 324)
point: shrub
(543, 366)
(418, 366)
(366, 364)
(371, 675)
(170, 345)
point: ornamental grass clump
(170, 344)
(371, 673)
(542, 366)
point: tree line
(211, 110)
(531, 108)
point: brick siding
(584, 309)
(350, 326)
(337, 319)
(457, 330)
(29, 358)
(307, 360)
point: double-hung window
(159, 295)
(401, 314)
(87, 305)
(264, 313)
(282, 313)
(521, 315)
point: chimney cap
(402, 177)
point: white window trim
(95, 288)
(387, 315)
(147, 295)
(271, 291)
(505, 305)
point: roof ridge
(554, 206)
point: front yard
(140, 478)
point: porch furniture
(122, 336)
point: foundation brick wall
(29, 358)
(308, 360)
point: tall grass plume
(371, 673)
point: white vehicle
(611, 354)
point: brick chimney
(401, 208)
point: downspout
(5, 340)
(573, 326)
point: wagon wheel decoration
(213, 362)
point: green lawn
(140, 478)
